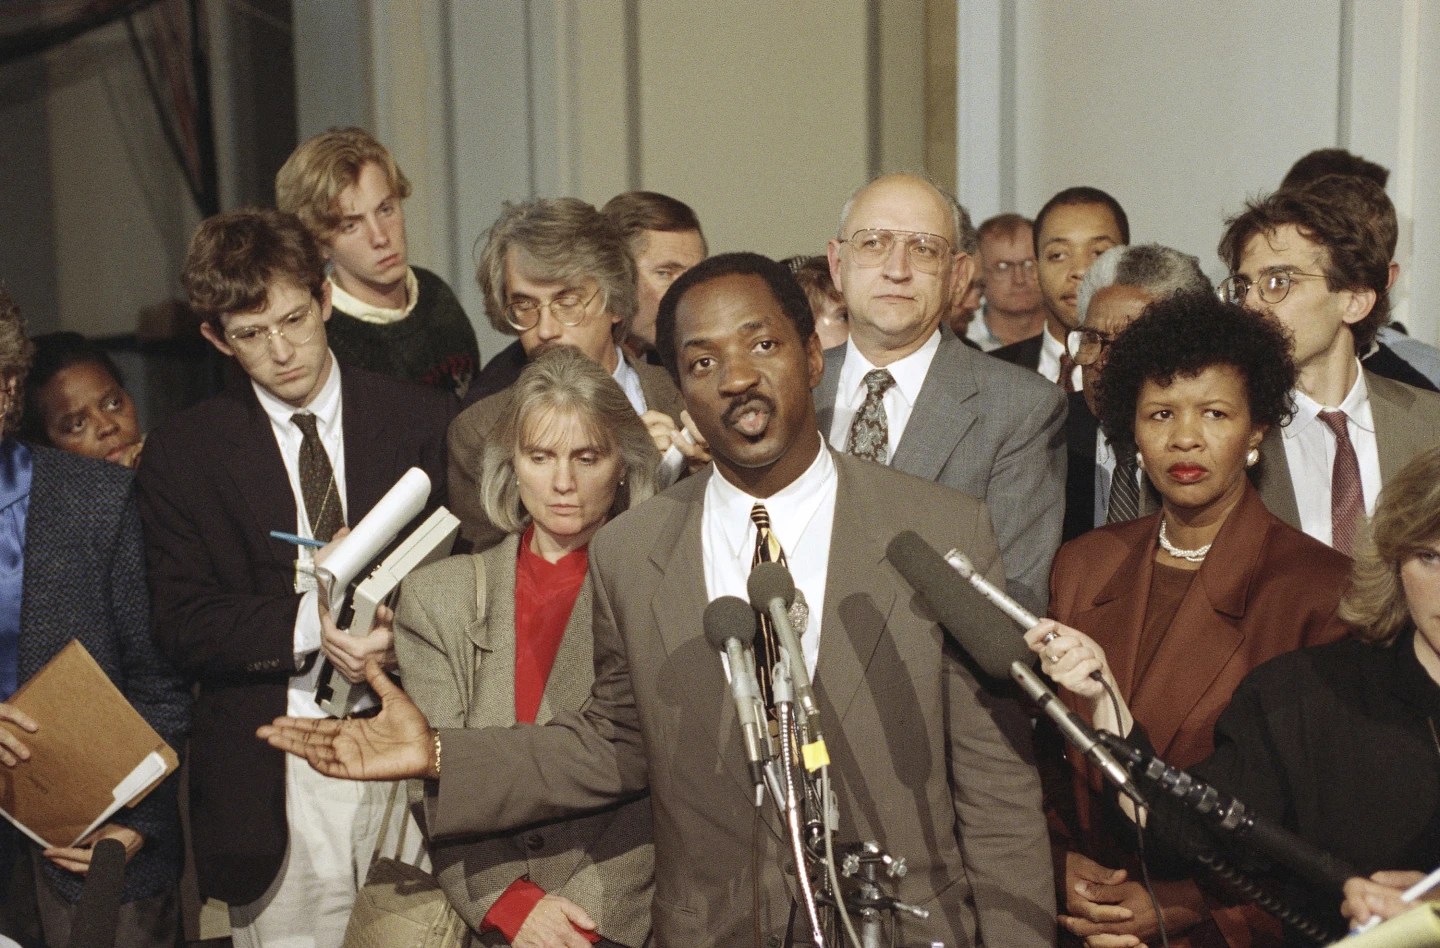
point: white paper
(401, 504)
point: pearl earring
(1252, 457)
(1140, 460)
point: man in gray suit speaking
(905, 391)
(926, 760)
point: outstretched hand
(394, 744)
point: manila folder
(92, 754)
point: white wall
(1184, 110)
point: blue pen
(296, 539)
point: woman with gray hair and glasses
(503, 637)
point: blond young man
(388, 316)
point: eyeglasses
(1272, 286)
(1024, 269)
(297, 329)
(1087, 345)
(567, 308)
(926, 252)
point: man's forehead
(1084, 222)
(735, 303)
(1020, 239)
(282, 297)
(1283, 245)
(902, 204)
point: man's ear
(962, 273)
(815, 359)
(1358, 305)
(325, 301)
(216, 339)
(832, 253)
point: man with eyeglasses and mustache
(298, 444)
(1315, 259)
(906, 392)
(557, 272)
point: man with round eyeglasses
(556, 272)
(300, 443)
(1317, 259)
(1115, 291)
(907, 392)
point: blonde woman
(567, 454)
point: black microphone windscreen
(729, 617)
(99, 905)
(770, 581)
(985, 633)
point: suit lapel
(1116, 615)
(1205, 633)
(492, 690)
(257, 472)
(1277, 490)
(943, 412)
(1396, 442)
(371, 467)
(828, 387)
(850, 629)
(569, 683)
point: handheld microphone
(730, 628)
(772, 589)
(99, 905)
(979, 630)
(1083, 737)
(999, 599)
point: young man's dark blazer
(212, 487)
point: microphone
(730, 628)
(99, 905)
(999, 599)
(1224, 812)
(772, 590)
(1081, 735)
(961, 564)
(976, 628)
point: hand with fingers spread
(12, 748)
(395, 744)
(76, 858)
(555, 922)
(685, 438)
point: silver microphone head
(961, 563)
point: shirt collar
(1049, 344)
(1356, 407)
(790, 508)
(363, 311)
(908, 372)
(624, 372)
(325, 406)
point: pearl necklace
(1191, 556)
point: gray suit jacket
(472, 426)
(925, 760)
(1407, 421)
(993, 431)
(459, 666)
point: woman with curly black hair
(1187, 601)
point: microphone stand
(783, 689)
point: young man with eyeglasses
(1013, 309)
(301, 445)
(387, 316)
(556, 272)
(1116, 289)
(1318, 261)
(905, 391)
